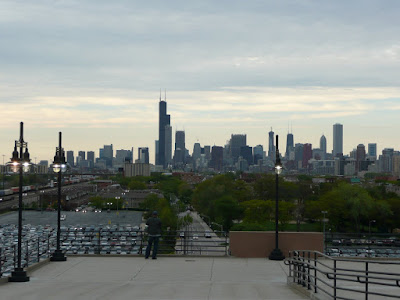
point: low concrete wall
(261, 243)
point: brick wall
(261, 243)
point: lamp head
(26, 156)
(278, 169)
(56, 168)
(15, 155)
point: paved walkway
(164, 278)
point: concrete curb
(29, 269)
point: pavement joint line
(137, 273)
(211, 276)
(69, 267)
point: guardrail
(109, 241)
(341, 278)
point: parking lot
(74, 218)
(81, 233)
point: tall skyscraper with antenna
(289, 144)
(271, 146)
(164, 129)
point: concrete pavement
(165, 278)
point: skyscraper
(70, 158)
(217, 158)
(82, 154)
(337, 140)
(307, 155)
(168, 145)
(258, 153)
(237, 141)
(143, 155)
(271, 147)
(322, 144)
(164, 122)
(360, 157)
(372, 150)
(90, 158)
(179, 155)
(289, 144)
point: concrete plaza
(130, 277)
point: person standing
(154, 231)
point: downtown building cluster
(237, 155)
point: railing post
(38, 249)
(366, 280)
(334, 279)
(1, 265)
(303, 278)
(315, 272)
(308, 272)
(27, 254)
(226, 243)
(48, 243)
(15, 255)
(141, 242)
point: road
(195, 241)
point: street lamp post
(117, 198)
(20, 163)
(59, 166)
(324, 238)
(277, 254)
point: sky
(94, 69)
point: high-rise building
(168, 145)
(122, 156)
(360, 157)
(143, 155)
(82, 155)
(217, 158)
(196, 152)
(179, 155)
(70, 158)
(164, 122)
(237, 141)
(271, 147)
(372, 150)
(258, 153)
(247, 153)
(207, 152)
(289, 144)
(307, 155)
(337, 140)
(90, 158)
(322, 144)
(386, 160)
(107, 154)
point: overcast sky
(93, 70)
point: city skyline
(93, 70)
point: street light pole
(19, 275)
(324, 243)
(277, 254)
(58, 167)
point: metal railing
(111, 241)
(341, 278)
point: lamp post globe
(58, 167)
(277, 254)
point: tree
(257, 211)
(226, 209)
(348, 205)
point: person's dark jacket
(154, 226)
